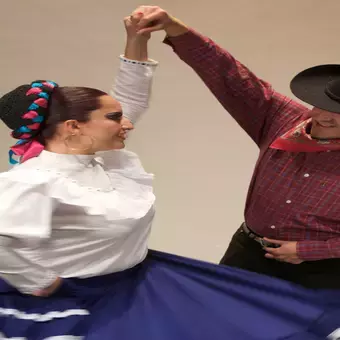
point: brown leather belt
(256, 237)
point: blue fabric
(52, 83)
(38, 119)
(37, 85)
(24, 129)
(173, 298)
(44, 95)
(33, 106)
(11, 159)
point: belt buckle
(263, 242)
(266, 244)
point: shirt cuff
(314, 250)
(150, 62)
(190, 40)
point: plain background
(202, 160)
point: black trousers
(245, 253)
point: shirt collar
(61, 160)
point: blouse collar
(52, 158)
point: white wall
(202, 159)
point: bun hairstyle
(34, 111)
(24, 111)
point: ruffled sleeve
(132, 87)
(25, 215)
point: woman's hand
(136, 44)
(49, 290)
(131, 25)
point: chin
(318, 133)
(118, 146)
(322, 136)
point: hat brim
(310, 84)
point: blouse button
(306, 175)
(288, 201)
(273, 227)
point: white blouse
(78, 215)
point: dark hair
(69, 103)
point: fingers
(140, 9)
(43, 293)
(133, 19)
(49, 290)
(273, 251)
(155, 28)
(269, 256)
(274, 241)
(280, 258)
(273, 254)
(38, 293)
(148, 21)
(136, 17)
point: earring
(68, 142)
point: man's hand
(156, 19)
(287, 252)
(49, 290)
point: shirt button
(306, 175)
(288, 201)
(273, 227)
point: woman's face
(107, 126)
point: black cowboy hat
(319, 86)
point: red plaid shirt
(292, 196)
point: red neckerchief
(298, 140)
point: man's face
(325, 124)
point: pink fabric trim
(48, 85)
(34, 126)
(31, 148)
(28, 150)
(25, 136)
(33, 90)
(30, 115)
(41, 102)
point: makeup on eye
(117, 116)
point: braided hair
(24, 110)
(34, 111)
